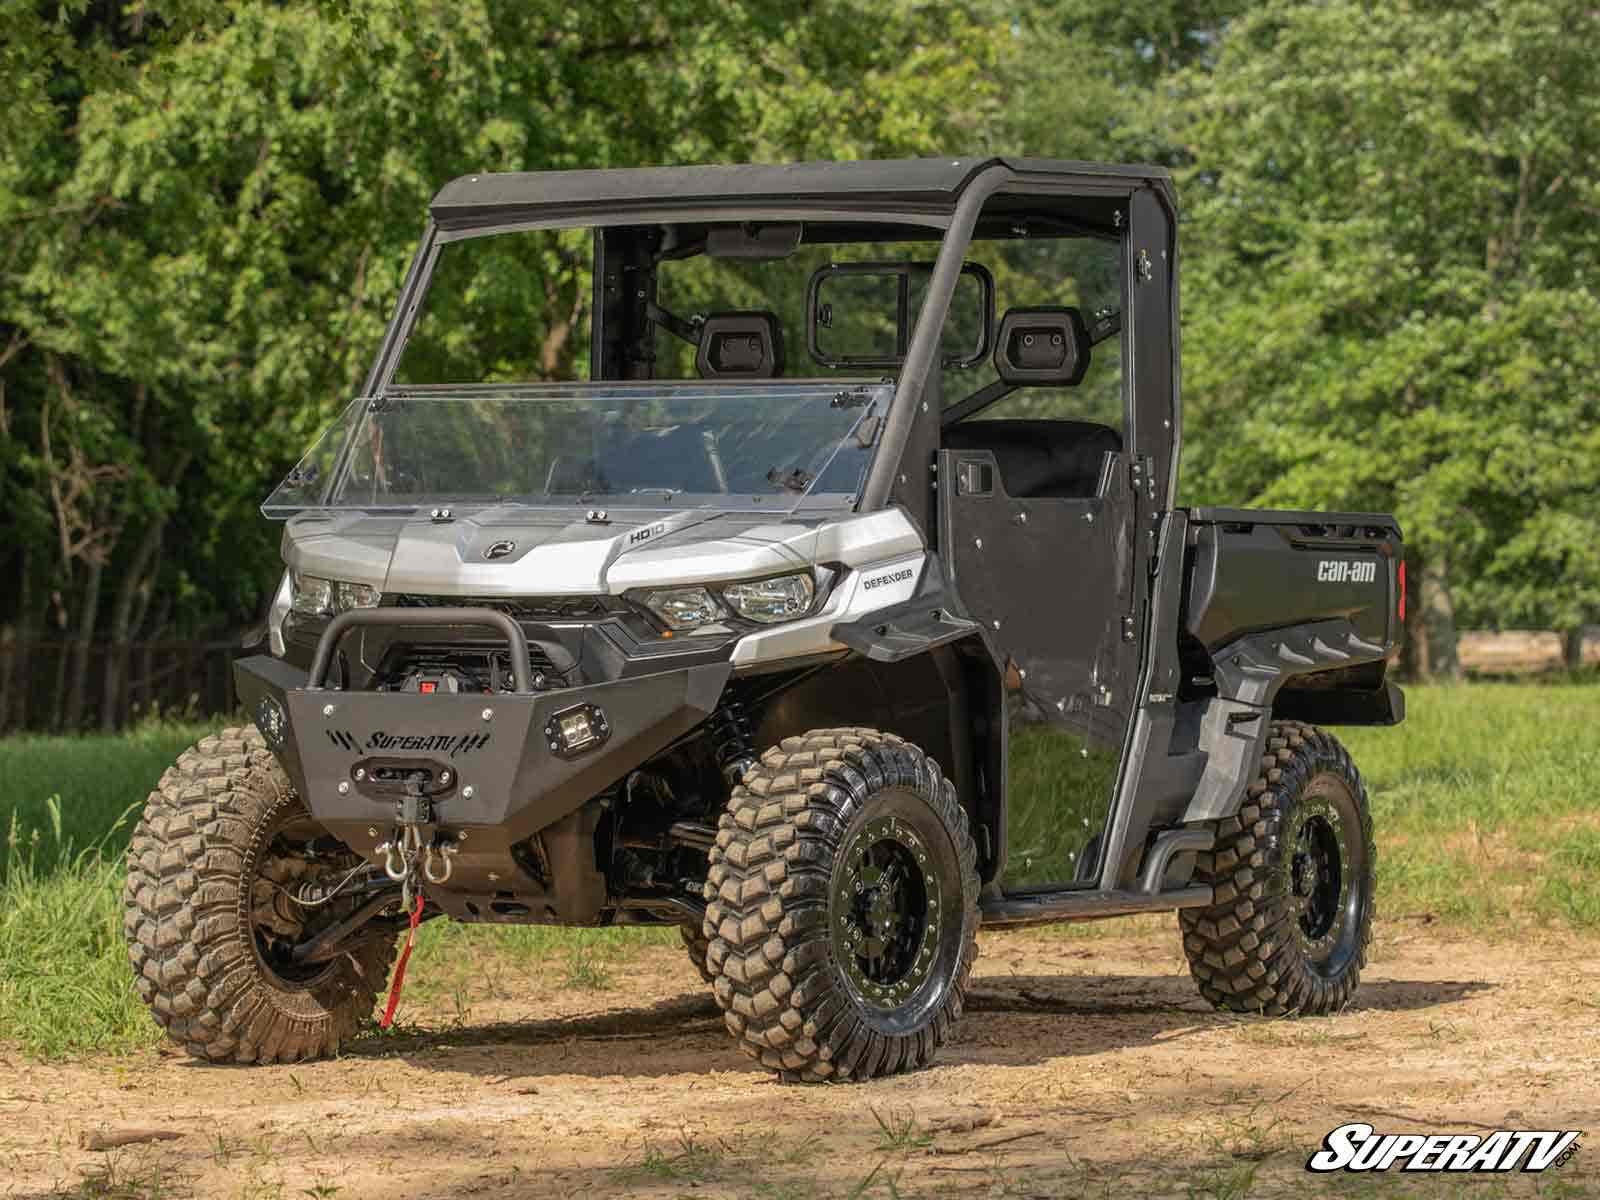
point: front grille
(475, 668)
(520, 608)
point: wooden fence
(184, 678)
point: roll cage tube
(925, 335)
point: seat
(1040, 459)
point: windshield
(769, 446)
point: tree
(1389, 288)
(208, 212)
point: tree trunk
(1572, 646)
(81, 641)
(113, 701)
(14, 672)
(1430, 650)
(1439, 621)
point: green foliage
(1389, 262)
(208, 212)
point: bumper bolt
(467, 792)
(327, 710)
(344, 787)
(488, 714)
(372, 831)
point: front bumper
(490, 771)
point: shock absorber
(730, 738)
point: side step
(1084, 905)
(1042, 908)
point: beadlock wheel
(1293, 878)
(842, 907)
(220, 846)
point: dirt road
(1086, 1066)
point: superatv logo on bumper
(1359, 1147)
(452, 744)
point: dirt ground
(1085, 1066)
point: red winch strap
(400, 968)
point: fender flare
(1249, 671)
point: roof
(910, 185)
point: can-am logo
(1344, 570)
(1359, 1147)
(453, 744)
(883, 580)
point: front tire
(842, 907)
(1294, 874)
(206, 937)
(697, 945)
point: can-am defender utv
(842, 608)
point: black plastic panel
(1253, 575)
(1049, 581)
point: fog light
(270, 720)
(574, 730)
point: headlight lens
(770, 600)
(357, 595)
(313, 597)
(683, 608)
(317, 597)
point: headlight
(316, 597)
(357, 595)
(770, 600)
(313, 597)
(683, 608)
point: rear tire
(842, 907)
(1293, 874)
(207, 846)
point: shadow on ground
(1007, 1023)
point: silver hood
(551, 553)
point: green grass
(1484, 804)
(1485, 813)
(100, 781)
(1060, 790)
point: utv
(843, 607)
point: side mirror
(1042, 347)
(861, 314)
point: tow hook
(446, 856)
(404, 855)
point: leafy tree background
(206, 212)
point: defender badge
(499, 550)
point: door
(1051, 580)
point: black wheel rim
(886, 913)
(1325, 866)
(277, 923)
